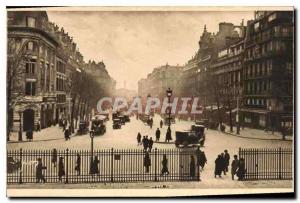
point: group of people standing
(146, 142)
(237, 166)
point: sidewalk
(47, 134)
(250, 133)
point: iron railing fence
(114, 165)
(262, 164)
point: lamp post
(237, 116)
(169, 95)
(92, 149)
(20, 129)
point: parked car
(83, 128)
(99, 125)
(192, 137)
(116, 123)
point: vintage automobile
(126, 117)
(193, 137)
(117, 123)
(122, 119)
(83, 128)
(98, 125)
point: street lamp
(20, 129)
(92, 149)
(169, 95)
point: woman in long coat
(61, 169)
(218, 166)
(78, 164)
(241, 170)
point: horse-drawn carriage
(99, 125)
(193, 137)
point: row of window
(256, 102)
(258, 69)
(60, 84)
(257, 87)
(262, 49)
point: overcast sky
(132, 43)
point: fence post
(67, 166)
(155, 164)
(280, 175)
(112, 165)
(21, 173)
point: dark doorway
(28, 120)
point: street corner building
(42, 59)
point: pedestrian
(161, 123)
(164, 163)
(218, 166)
(150, 144)
(202, 159)
(39, 171)
(168, 135)
(227, 160)
(146, 143)
(38, 126)
(61, 169)
(67, 134)
(234, 166)
(78, 164)
(139, 136)
(27, 136)
(157, 135)
(151, 123)
(192, 167)
(147, 161)
(241, 170)
(223, 163)
(54, 157)
(95, 168)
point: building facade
(159, 80)
(268, 70)
(41, 61)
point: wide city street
(125, 138)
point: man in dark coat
(147, 161)
(61, 169)
(218, 166)
(95, 168)
(234, 166)
(39, 171)
(150, 144)
(139, 136)
(67, 134)
(146, 142)
(223, 163)
(164, 163)
(241, 170)
(202, 159)
(78, 164)
(157, 135)
(227, 160)
(161, 123)
(54, 157)
(168, 135)
(192, 167)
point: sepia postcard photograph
(150, 101)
